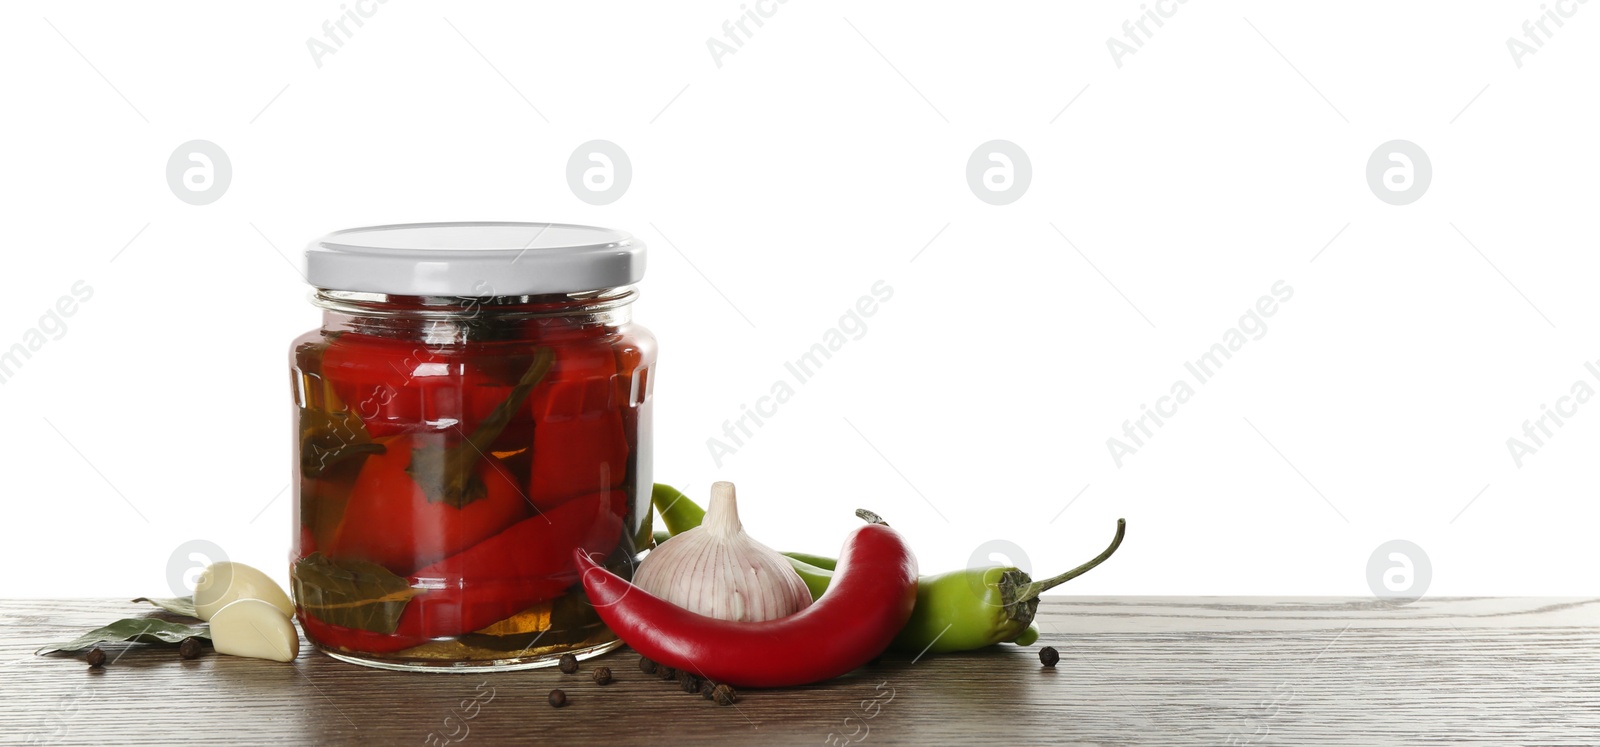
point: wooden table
(1133, 670)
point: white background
(823, 156)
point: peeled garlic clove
(719, 571)
(223, 583)
(253, 628)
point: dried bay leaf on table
(132, 630)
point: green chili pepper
(972, 608)
(815, 560)
(978, 607)
(817, 579)
(678, 512)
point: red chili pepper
(398, 387)
(579, 445)
(353, 639)
(870, 599)
(393, 521)
(524, 565)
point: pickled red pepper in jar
(474, 408)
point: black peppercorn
(557, 698)
(666, 673)
(647, 666)
(96, 657)
(602, 675)
(688, 682)
(724, 695)
(569, 664)
(707, 687)
(1048, 656)
(190, 648)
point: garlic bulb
(719, 571)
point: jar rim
(479, 259)
(526, 306)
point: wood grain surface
(1133, 670)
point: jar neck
(453, 320)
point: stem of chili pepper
(1019, 593)
(1033, 589)
(870, 517)
(452, 472)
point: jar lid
(474, 259)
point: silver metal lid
(475, 259)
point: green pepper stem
(1034, 589)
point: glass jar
(474, 409)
